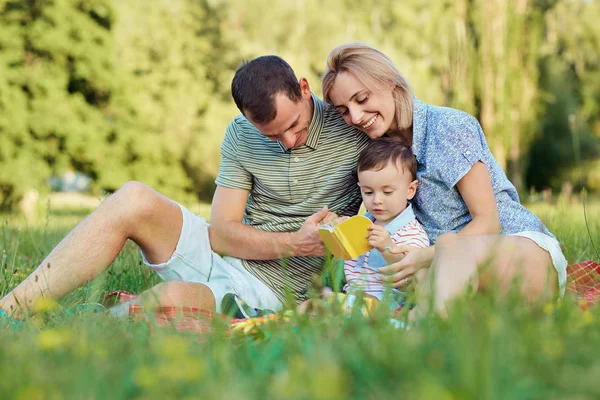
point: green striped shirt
(288, 185)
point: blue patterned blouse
(447, 143)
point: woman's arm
(477, 192)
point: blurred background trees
(134, 89)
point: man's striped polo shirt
(288, 185)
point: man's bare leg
(178, 294)
(134, 212)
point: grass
(489, 348)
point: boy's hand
(379, 237)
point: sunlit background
(94, 93)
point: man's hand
(331, 218)
(306, 241)
(379, 238)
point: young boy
(387, 179)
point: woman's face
(372, 113)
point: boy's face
(386, 192)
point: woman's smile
(369, 122)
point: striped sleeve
(411, 234)
(232, 173)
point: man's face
(291, 123)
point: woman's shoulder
(447, 120)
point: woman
(467, 205)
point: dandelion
(45, 304)
(53, 339)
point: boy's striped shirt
(366, 279)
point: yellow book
(347, 239)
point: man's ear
(305, 88)
(412, 189)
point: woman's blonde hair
(374, 70)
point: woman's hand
(401, 272)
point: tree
(176, 66)
(569, 146)
(58, 77)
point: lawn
(490, 347)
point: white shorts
(194, 261)
(552, 246)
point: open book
(347, 239)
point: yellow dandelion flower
(53, 339)
(45, 304)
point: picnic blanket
(583, 281)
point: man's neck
(311, 104)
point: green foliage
(569, 145)
(127, 89)
(83, 91)
(175, 62)
(59, 83)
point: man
(288, 164)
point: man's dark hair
(384, 150)
(256, 83)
